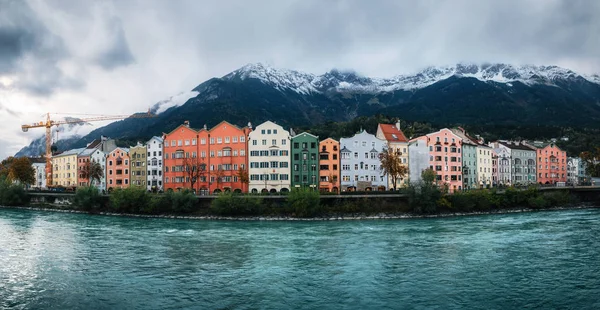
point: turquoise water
(544, 260)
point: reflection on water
(68, 261)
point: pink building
(445, 158)
(552, 164)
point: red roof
(392, 134)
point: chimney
(186, 123)
(398, 124)
(249, 125)
(205, 127)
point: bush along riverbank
(420, 200)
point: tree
(592, 162)
(219, 176)
(243, 176)
(195, 169)
(391, 164)
(94, 172)
(20, 170)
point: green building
(305, 161)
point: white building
(484, 166)
(504, 164)
(418, 152)
(361, 167)
(573, 164)
(100, 157)
(269, 158)
(155, 164)
(40, 175)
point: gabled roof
(70, 152)
(332, 139)
(124, 149)
(392, 134)
(87, 152)
(157, 138)
(305, 134)
(516, 146)
(227, 123)
(344, 149)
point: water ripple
(76, 261)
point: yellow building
(137, 159)
(64, 168)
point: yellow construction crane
(48, 123)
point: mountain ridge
(463, 93)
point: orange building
(186, 151)
(228, 155)
(552, 164)
(445, 158)
(117, 168)
(329, 165)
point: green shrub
(87, 198)
(537, 202)
(129, 200)
(229, 204)
(304, 203)
(183, 202)
(12, 194)
(423, 197)
(159, 204)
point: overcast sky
(122, 56)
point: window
(219, 140)
(264, 142)
(227, 139)
(283, 142)
(242, 139)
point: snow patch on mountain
(173, 101)
(306, 83)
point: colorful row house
(117, 169)
(154, 163)
(361, 168)
(445, 158)
(206, 161)
(269, 158)
(397, 141)
(305, 161)
(552, 164)
(329, 166)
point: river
(545, 260)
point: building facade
(185, 159)
(360, 163)
(523, 163)
(572, 171)
(269, 158)
(228, 157)
(552, 164)
(117, 169)
(504, 164)
(445, 158)
(64, 168)
(397, 141)
(329, 166)
(484, 166)
(100, 157)
(40, 175)
(137, 166)
(469, 160)
(83, 164)
(305, 161)
(418, 152)
(154, 164)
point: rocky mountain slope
(464, 93)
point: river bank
(339, 217)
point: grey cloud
(117, 52)
(29, 50)
(414, 34)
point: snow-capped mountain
(486, 95)
(306, 83)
